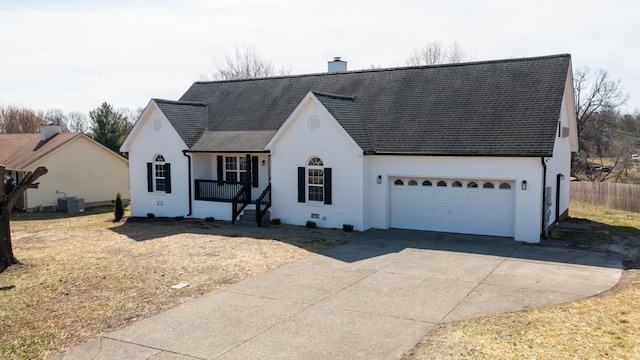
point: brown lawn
(85, 275)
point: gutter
(543, 230)
(184, 152)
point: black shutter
(149, 177)
(254, 171)
(327, 186)
(301, 184)
(220, 171)
(167, 178)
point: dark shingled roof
(346, 111)
(502, 108)
(188, 118)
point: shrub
(275, 222)
(209, 219)
(179, 218)
(151, 215)
(118, 209)
(347, 227)
(311, 224)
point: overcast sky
(73, 55)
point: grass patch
(84, 275)
(601, 327)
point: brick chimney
(337, 65)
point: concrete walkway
(373, 298)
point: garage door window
(456, 184)
(472, 184)
(426, 183)
(488, 185)
(442, 183)
(398, 182)
(505, 185)
(413, 183)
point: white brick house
(479, 148)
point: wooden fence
(612, 195)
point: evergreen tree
(108, 127)
(118, 210)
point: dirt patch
(83, 276)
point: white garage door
(484, 207)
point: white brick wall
(146, 143)
(560, 163)
(330, 142)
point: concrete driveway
(373, 298)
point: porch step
(248, 218)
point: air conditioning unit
(71, 204)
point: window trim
(159, 165)
(158, 159)
(315, 165)
(238, 171)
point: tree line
(104, 124)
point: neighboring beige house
(78, 167)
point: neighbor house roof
(18, 151)
(501, 108)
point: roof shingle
(502, 108)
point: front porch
(236, 183)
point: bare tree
(244, 63)
(595, 93)
(434, 53)
(15, 120)
(56, 117)
(597, 100)
(7, 202)
(77, 122)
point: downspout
(543, 230)
(184, 152)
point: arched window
(160, 172)
(505, 185)
(426, 183)
(442, 183)
(413, 183)
(398, 182)
(159, 175)
(487, 185)
(472, 184)
(456, 184)
(315, 180)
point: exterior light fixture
(524, 184)
(561, 177)
(379, 180)
(263, 163)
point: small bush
(151, 215)
(347, 227)
(311, 224)
(209, 219)
(179, 218)
(118, 209)
(275, 222)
